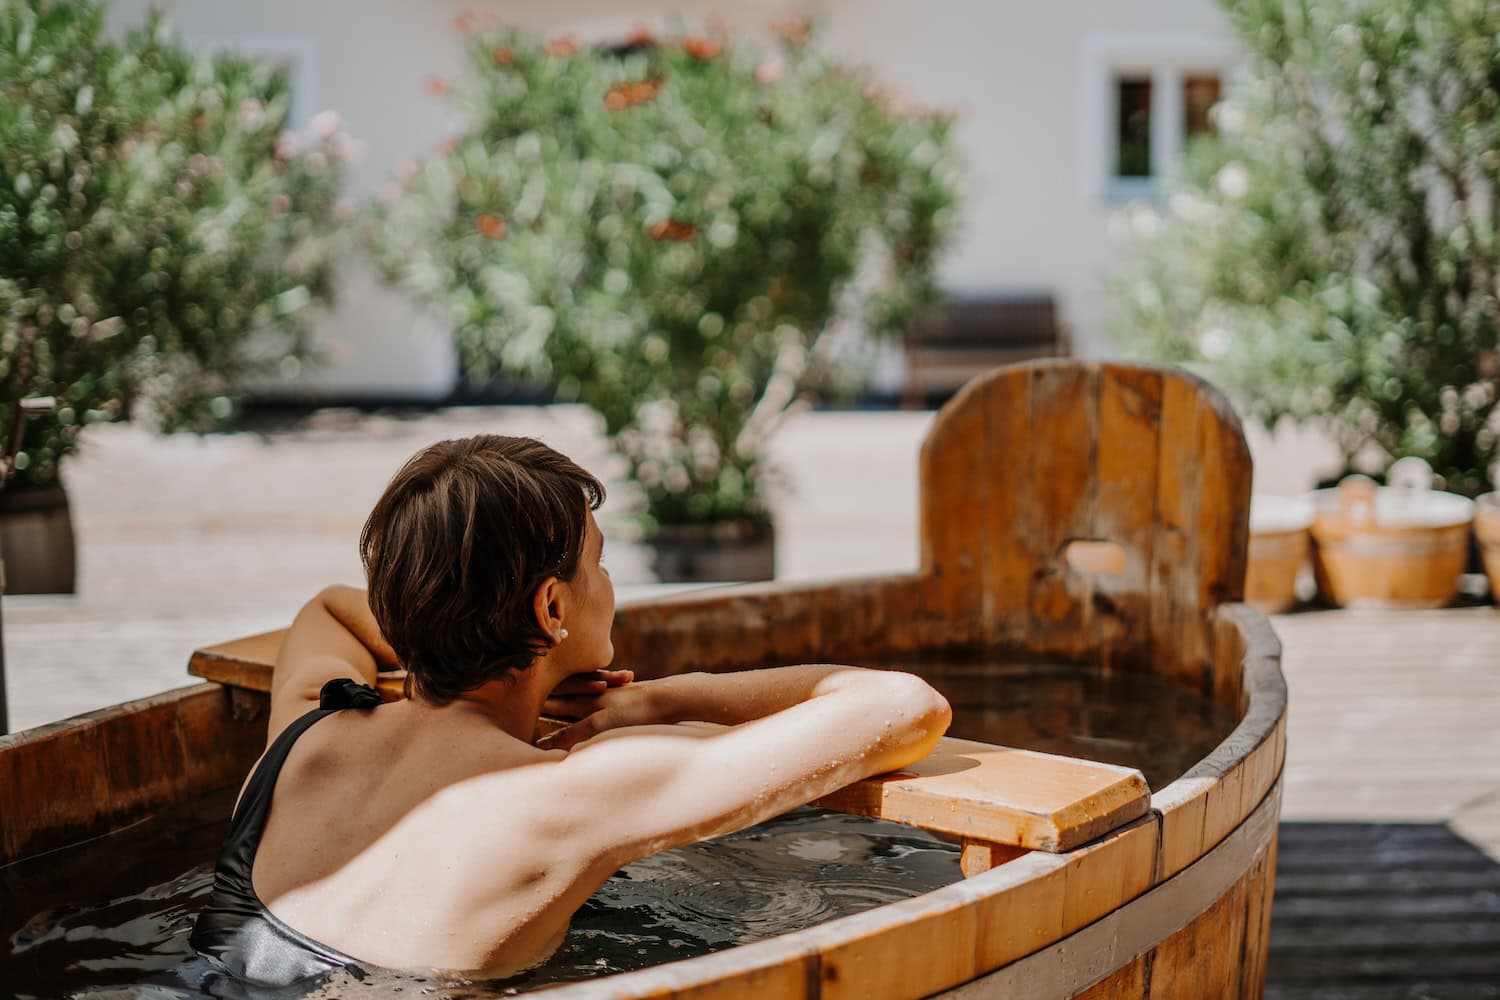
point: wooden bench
(1000, 801)
(964, 337)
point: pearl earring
(563, 634)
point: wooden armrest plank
(247, 663)
(973, 790)
(1002, 795)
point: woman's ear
(547, 605)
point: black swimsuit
(235, 928)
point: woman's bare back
(367, 847)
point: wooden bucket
(1487, 532)
(1279, 543)
(1389, 547)
(1090, 514)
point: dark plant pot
(36, 541)
(710, 553)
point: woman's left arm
(333, 636)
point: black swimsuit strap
(234, 926)
(255, 802)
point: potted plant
(161, 238)
(667, 230)
(1331, 254)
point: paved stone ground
(186, 541)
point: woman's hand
(597, 710)
(578, 695)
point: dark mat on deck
(1383, 911)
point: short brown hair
(456, 547)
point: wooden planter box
(1071, 513)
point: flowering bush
(160, 235)
(1335, 250)
(665, 230)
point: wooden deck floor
(1388, 877)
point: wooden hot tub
(1071, 514)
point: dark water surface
(111, 918)
(1126, 718)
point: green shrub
(1335, 250)
(666, 231)
(161, 238)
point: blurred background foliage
(670, 230)
(1334, 250)
(161, 236)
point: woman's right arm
(794, 734)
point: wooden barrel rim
(1258, 730)
(1088, 956)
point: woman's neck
(512, 704)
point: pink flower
(288, 145)
(768, 73)
(252, 113)
(435, 86)
(325, 123)
(343, 209)
(449, 145)
(348, 149)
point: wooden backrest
(1031, 458)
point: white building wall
(1030, 81)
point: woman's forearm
(350, 607)
(742, 696)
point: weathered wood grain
(960, 461)
(1060, 491)
(1002, 795)
(1125, 512)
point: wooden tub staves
(1071, 513)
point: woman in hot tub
(431, 832)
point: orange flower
(466, 22)
(503, 55)
(671, 229)
(793, 31)
(630, 93)
(490, 226)
(560, 47)
(639, 35)
(701, 48)
(435, 86)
